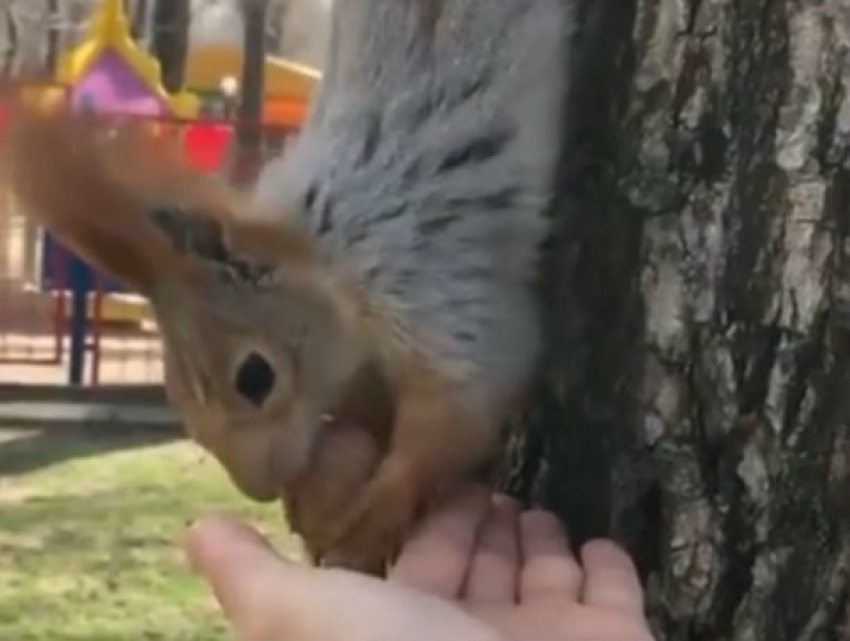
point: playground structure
(56, 310)
(109, 73)
(288, 86)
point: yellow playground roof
(110, 30)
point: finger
(240, 568)
(611, 580)
(436, 558)
(495, 560)
(234, 559)
(266, 598)
(549, 569)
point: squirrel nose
(260, 464)
(252, 471)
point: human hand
(478, 569)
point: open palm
(478, 569)
(515, 572)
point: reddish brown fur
(434, 437)
(93, 191)
(95, 195)
(345, 462)
(59, 176)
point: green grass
(90, 529)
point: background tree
(170, 40)
(252, 88)
(54, 36)
(23, 37)
(9, 39)
(695, 398)
(138, 11)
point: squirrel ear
(94, 187)
(127, 203)
(250, 251)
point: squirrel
(380, 274)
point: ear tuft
(191, 234)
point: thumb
(264, 597)
(240, 566)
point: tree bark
(694, 402)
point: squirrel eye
(255, 379)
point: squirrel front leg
(437, 438)
(347, 458)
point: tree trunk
(249, 132)
(695, 397)
(139, 21)
(26, 38)
(54, 36)
(10, 41)
(275, 17)
(170, 40)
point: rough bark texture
(695, 402)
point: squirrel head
(261, 343)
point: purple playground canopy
(110, 85)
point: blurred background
(96, 478)
(232, 82)
(297, 29)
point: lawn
(90, 525)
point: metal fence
(64, 323)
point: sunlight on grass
(90, 540)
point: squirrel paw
(372, 533)
(315, 503)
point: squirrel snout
(263, 464)
(258, 485)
